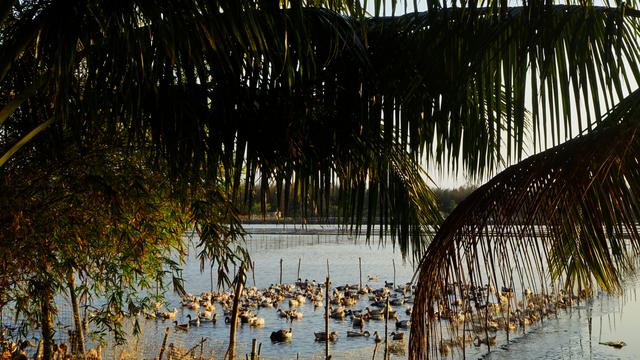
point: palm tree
(308, 94)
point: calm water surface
(574, 334)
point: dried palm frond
(558, 221)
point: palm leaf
(246, 90)
(565, 216)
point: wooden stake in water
(326, 314)
(394, 273)
(299, 261)
(280, 271)
(164, 343)
(360, 266)
(211, 276)
(253, 273)
(386, 329)
(253, 350)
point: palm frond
(461, 75)
(563, 219)
(256, 93)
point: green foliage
(448, 199)
(104, 216)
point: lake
(574, 334)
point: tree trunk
(71, 284)
(231, 352)
(46, 323)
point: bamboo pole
(299, 261)
(360, 266)
(394, 273)
(253, 350)
(386, 329)
(210, 276)
(234, 313)
(375, 348)
(253, 273)
(79, 346)
(280, 271)
(164, 343)
(326, 315)
(327, 267)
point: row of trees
(123, 124)
(273, 209)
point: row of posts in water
(253, 273)
(255, 355)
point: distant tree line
(273, 207)
(448, 199)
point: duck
(182, 327)
(375, 314)
(266, 303)
(377, 337)
(322, 336)
(168, 315)
(150, 315)
(358, 333)
(193, 322)
(281, 335)
(397, 301)
(211, 318)
(614, 344)
(227, 320)
(208, 306)
(293, 314)
(256, 321)
(487, 341)
(403, 324)
(349, 301)
(282, 314)
(409, 310)
(393, 314)
(397, 336)
(338, 314)
(205, 315)
(358, 321)
(396, 347)
(293, 303)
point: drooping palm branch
(566, 216)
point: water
(313, 251)
(566, 337)
(612, 318)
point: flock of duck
(473, 318)
(288, 299)
(477, 316)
